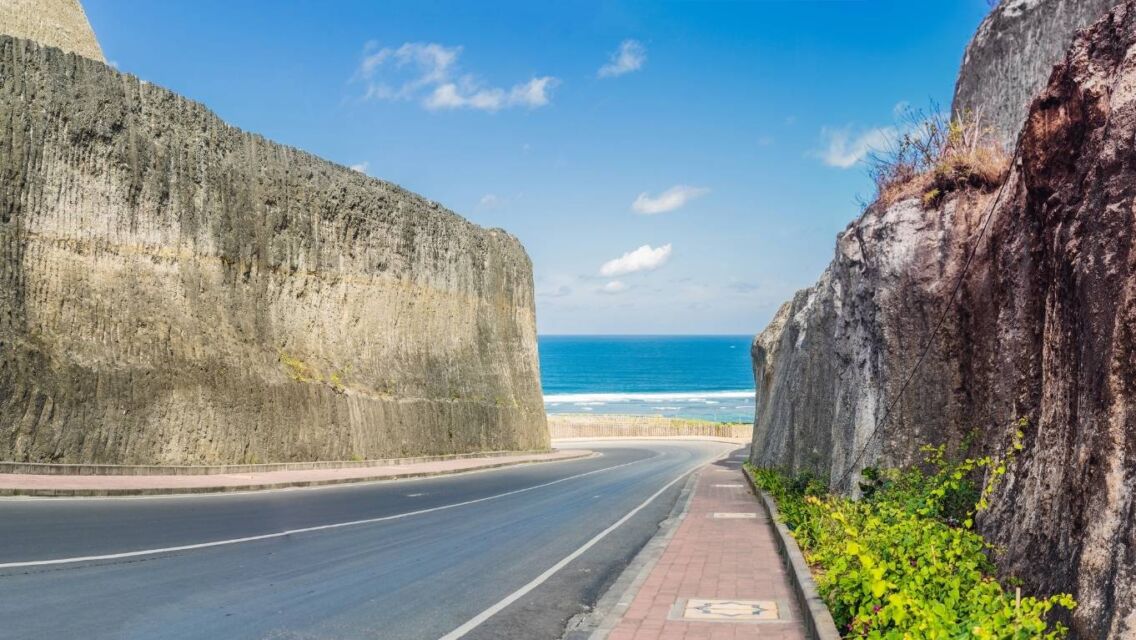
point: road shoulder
(53, 485)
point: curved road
(508, 553)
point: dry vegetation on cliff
(937, 155)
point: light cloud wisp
(428, 73)
(630, 56)
(669, 200)
(844, 150)
(645, 258)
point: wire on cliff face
(938, 325)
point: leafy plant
(904, 561)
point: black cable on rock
(938, 325)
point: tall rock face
(55, 23)
(1009, 60)
(1043, 327)
(175, 290)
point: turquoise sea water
(706, 377)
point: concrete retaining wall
(610, 426)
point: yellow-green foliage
(297, 369)
(300, 371)
(904, 562)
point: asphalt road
(431, 556)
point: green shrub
(903, 561)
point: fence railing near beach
(604, 426)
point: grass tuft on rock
(936, 155)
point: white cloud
(645, 258)
(428, 73)
(668, 200)
(361, 167)
(533, 93)
(489, 200)
(630, 56)
(614, 287)
(844, 150)
(418, 64)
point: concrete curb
(160, 491)
(818, 619)
(51, 469)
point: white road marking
(474, 622)
(324, 527)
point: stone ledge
(42, 468)
(818, 619)
(73, 486)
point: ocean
(704, 377)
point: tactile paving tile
(732, 610)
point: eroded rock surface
(55, 23)
(1043, 327)
(1009, 60)
(175, 290)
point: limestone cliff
(175, 290)
(1009, 59)
(1043, 326)
(55, 23)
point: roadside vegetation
(904, 561)
(935, 155)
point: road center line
(474, 622)
(323, 527)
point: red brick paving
(715, 558)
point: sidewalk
(26, 484)
(720, 576)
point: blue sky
(671, 167)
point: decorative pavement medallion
(732, 610)
(730, 515)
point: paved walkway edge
(155, 491)
(818, 619)
(610, 608)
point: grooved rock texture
(175, 290)
(55, 23)
(1043, 327)
(1009, 59)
